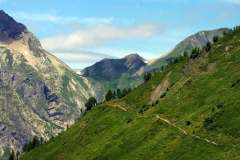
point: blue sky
(81, 32)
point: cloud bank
(80, 59)
(100, 34)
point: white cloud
(95, 35)
(80, 59)
(53, 18)
(78, 56)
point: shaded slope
(196, 118)
(114, 73)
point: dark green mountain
(188, 111)
(115, 73)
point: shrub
(207, 122)
(147, 77)
(129, 120)
(143, 109)
(188, 123)
(35, 142)
(215, 39)
(195, 53)
(207, 47)
(109, 96)
(91, 103)
(119, 93)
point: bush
(207, 47)
(215, 39)
(129, 120)
(109, 96)
(207, 122)
(147, 77)
(188, 123)
(91, 103)
(119, 93)
(35, 142)
(236, 28)
(195, 53)
(143, 109)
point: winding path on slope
(185, 132)
(177, 127)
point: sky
(82, 32)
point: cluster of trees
(35, 142)
(147, 77)
(90, 103)
(110, 95)
(197, 51)
(116, 94)
(236, 28)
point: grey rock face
(198, 40)
(39, 95)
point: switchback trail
(183, 131)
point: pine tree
(124, 92)
(208, 47)
(119, 93)
(91, 103)
(215, 39)
(147, 77)
(195, 53)
(109, 95)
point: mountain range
(188, 111)
(180, 106)
(127, 72)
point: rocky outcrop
(40, 96)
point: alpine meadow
(120, 80)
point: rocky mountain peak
(134, 62)
(133, 56)
(9, 28)
(112, 69)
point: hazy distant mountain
(110, 69)
(39, 95)
(115, 73)
(197, 40)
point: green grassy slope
(196, 118)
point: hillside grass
(198, 118)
